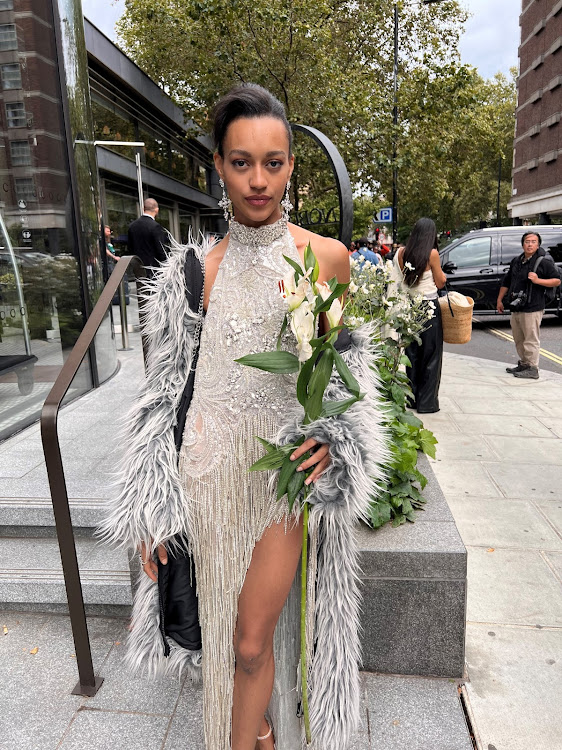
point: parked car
(476, 263)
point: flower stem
(304, 669)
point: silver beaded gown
(231, 405)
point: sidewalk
(499, 475)
(499, 465)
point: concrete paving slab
(526, 450)
(457, 391)
(464, 478)
(415, 713)
(550, 408)
(552, 512)
(447, 404)
(129, 731)
(18, 464)
(36, 554)
(515, 686)
(439, 421)
(502, 522)
(553, 424)
(482, 424)
(500, 406)
(534, 390)
(457, 447)
(512, 587)
(541, 481)
(554, 559)
(186, 728)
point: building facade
(63, 87)
(537, 163)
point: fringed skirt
(231, 508)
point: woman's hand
(148, 565)
(320, 456)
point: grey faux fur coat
(150, 503)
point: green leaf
(295, 265)
(309, 258)
(317, 384)
(333, 408)
(325, 336)
(287, 470)
(305, 375)
(324, 305)
(270, 461)
(408, 418)
(278, 362)
(282, 331)
(398, 395)
(404, 360)
(270, 447)
(296, 483)
(345, 374)
(428, 441)
(420, 478)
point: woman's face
(255, 168)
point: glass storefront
(50, 269)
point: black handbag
(177, 591)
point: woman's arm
(439, 277)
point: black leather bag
(177, 591)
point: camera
(518, 300)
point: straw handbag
(456, 315)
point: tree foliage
(331, 63)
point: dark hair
(363, 242)
(247, 100)
(536, 234)
(418, 249)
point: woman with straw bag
(421, 271)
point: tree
(330, 63)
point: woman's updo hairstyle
(247, 100)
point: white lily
(302, 325)
(335, 312)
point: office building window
(6, 4)
(25, 189)
(21, 153)
(8, 36)
(15, 115)
(11, 76)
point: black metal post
(499, 188)
(395, 134)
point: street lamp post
(395, 123)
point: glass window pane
(8, 36)
(16, 116)
(6, 4)
(511, 247)
(11, 76)
(25, 189)
(474, 252)
(21, 153)
(553, 244)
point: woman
(421, 267)
(245, 546)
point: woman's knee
(252, 651)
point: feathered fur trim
(149, 505)
(359, 449)
(145, 647)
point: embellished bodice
(244, 316)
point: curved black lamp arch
(343, 183)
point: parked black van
(476, 263)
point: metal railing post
(88, 683)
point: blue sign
(384, 215)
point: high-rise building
(537, 162)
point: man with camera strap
(531, 276)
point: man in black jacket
(525, 284)
(147, 238)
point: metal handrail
(88, 684)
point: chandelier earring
(225, 203)
(286, 202)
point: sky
(490, 42)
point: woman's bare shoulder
(322, 247)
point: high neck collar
(257, 236)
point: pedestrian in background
(420, 265)
(363, 253)
(148, 239)
(529, 277)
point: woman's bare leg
(266, 587)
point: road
(488, 341)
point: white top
(426, 284)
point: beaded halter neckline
(257, 236)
